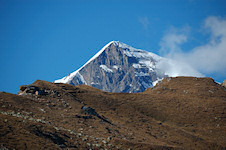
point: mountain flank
(177, 113)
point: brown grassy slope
(179, 113)
(189, 110)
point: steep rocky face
(118, 68)
(114, 71)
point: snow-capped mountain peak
(118, 67)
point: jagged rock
(27, 89)
(32, 89)
(224, 83)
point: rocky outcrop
(28, 89)
(224, 83)
(32, 90)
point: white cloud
(145, 22)
(207, 58)
(211, 57)
(173, 39)
(175, 68)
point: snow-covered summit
(118, 67)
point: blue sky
(48, 39)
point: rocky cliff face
(118, 67)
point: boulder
(89, 110)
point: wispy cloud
(207, 58)
(173, 39)
(145, 22)
(211, 57)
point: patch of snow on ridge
(155, 82)
(137, 66)
(147, 63)
(141, 74)
(94, 83)
(63, 80)
(105, 68)
(116, 67)
(138, 53)
(70, 77)
(81, 78)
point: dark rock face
(112, 71)
(118, 68)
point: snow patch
(105, 68)
(138, 53)
(63, 80)
(81, 78)
(155, 82)
(140, 74)
(148, 64)
(94, 83)
(70, 77)
(116, 67)
(137, 66)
